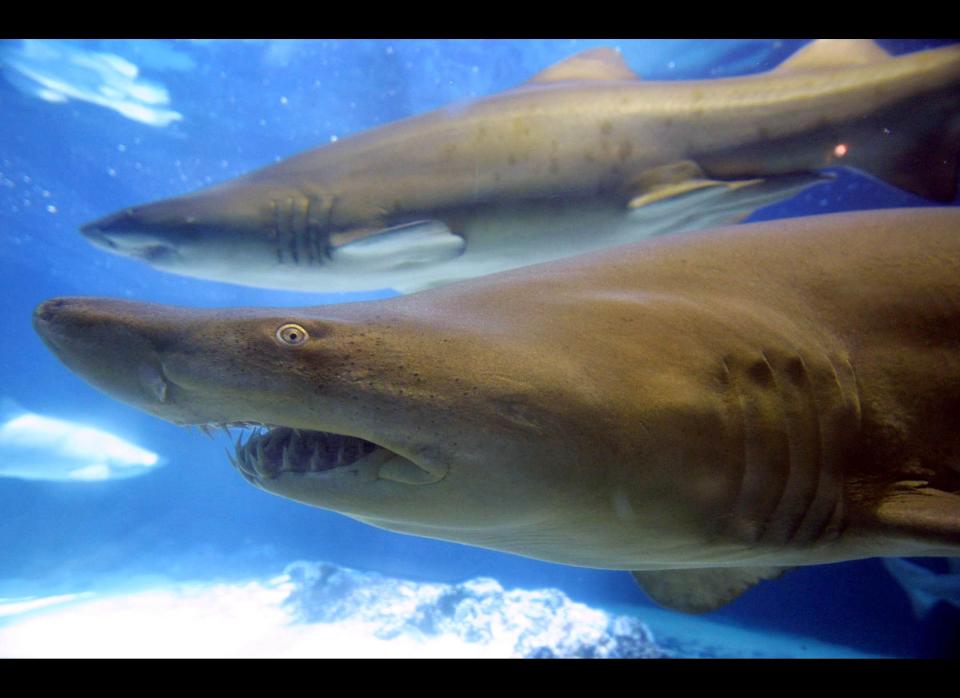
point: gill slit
(307, 241)
(274, 233)
(329, 226)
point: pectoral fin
(400, 247)
(702, 590)
(680, 196)
(924, 513)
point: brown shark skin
(533, 150)
(781, 393)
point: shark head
(361, 408)
(203, 234)
(279, 236)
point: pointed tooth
(260, 465)
(316, 461)
(251, 478)
(247, 468)
(232, 459)
(287, 463)
(241, 460)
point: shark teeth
(268, 452)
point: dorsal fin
(824, 54)
(595, 64)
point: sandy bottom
(250, 620)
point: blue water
(206, 111)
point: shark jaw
(265, 453)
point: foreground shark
(38, 447)
(584, 156)
(704, 409)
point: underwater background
(90, 126)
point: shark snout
(128, 232)
(102, 340)
(104, 231)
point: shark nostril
(47, 310)
(94, 233)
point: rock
(541, 623)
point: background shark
(37, 447)
(585, 155)
(925, 587)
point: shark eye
(292, 334)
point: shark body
(584, 156)
(705, 410)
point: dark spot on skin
(668, 121)
(606, 127)
(625, 151)
(796, 371)
(723, 373)
(589, 157)
(760, 372)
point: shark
(585, 155)
(40, 447)
(924, 587)
(704, 410)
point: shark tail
(917, 157)
(912, 144)
(913, 578)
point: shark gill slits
(292, 334)
(292, 229)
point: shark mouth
(265, 453)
